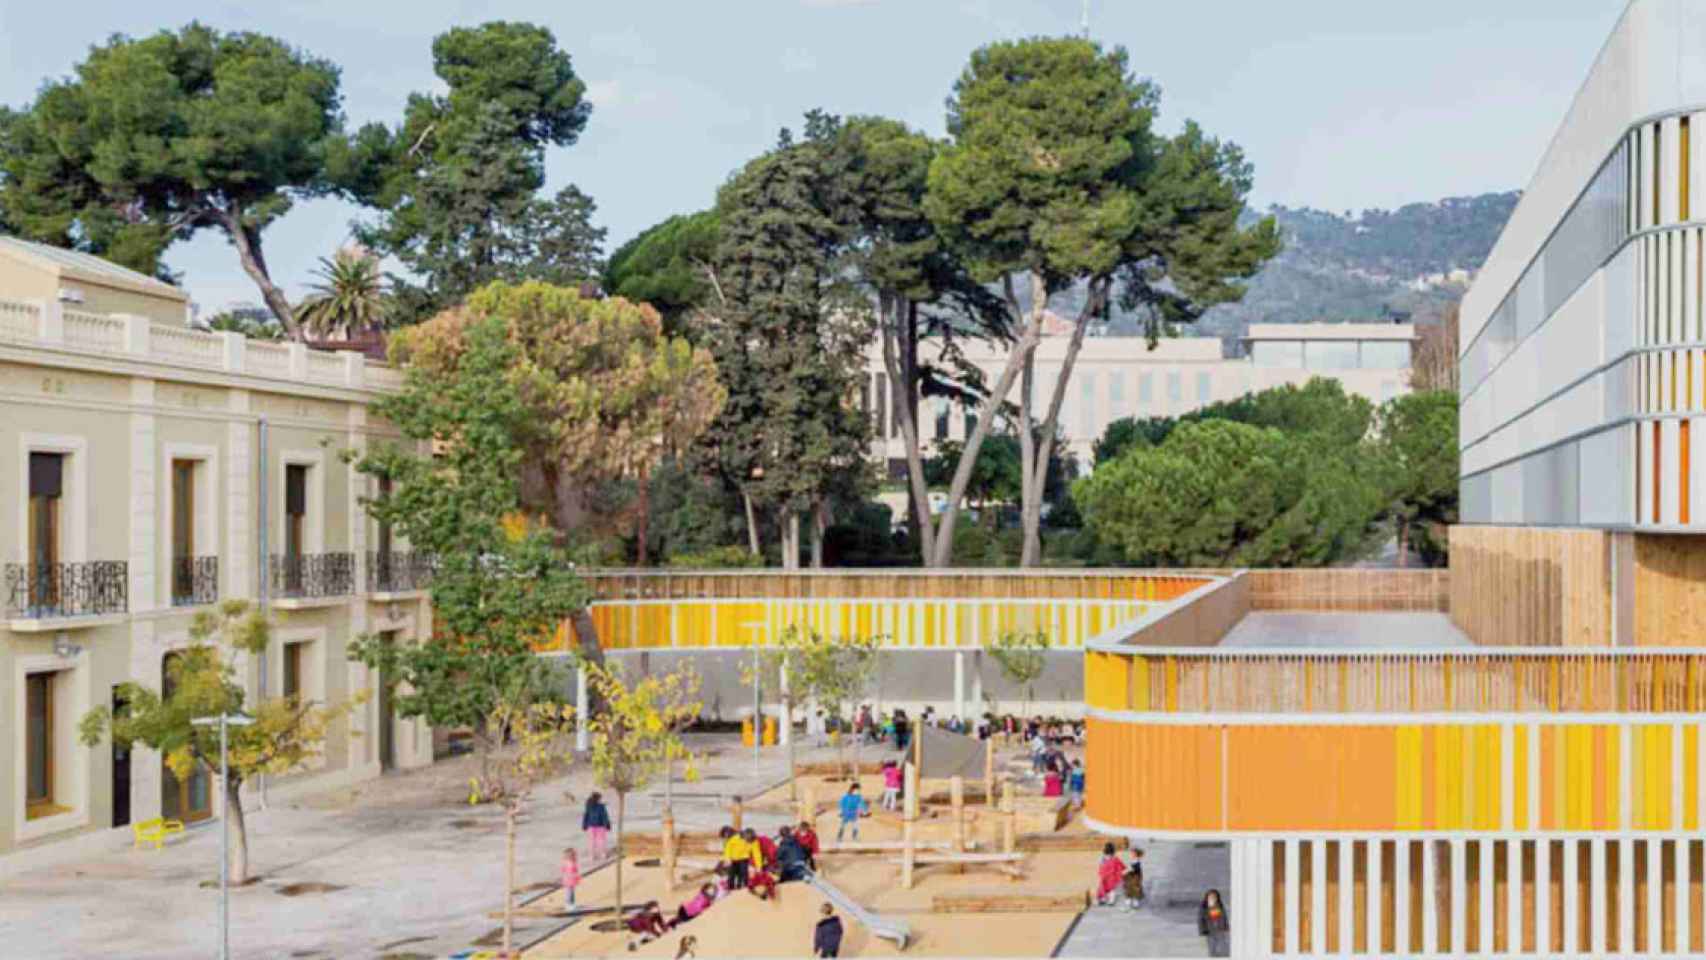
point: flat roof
(88, 268)
(1280, 630)
(1330, 331)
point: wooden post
(918, 746)
(910, 814)
(1010, 818)
(735, 812)
(989, 771)
(957, 795)
(669, 851)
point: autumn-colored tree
(636, 734)
(606, 396)
(542, 738)
(1021, 657)
(1434, 364)
(201, 681)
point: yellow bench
(155, 831)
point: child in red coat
(1109, 874)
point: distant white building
(1118, 377)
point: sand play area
(743, 925)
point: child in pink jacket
(571, 875)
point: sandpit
(743, 925)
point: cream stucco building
(1118, 377)
(139, 457)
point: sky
(1339, 104)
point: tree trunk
(751, 523)
(820, 526)
(1036, 476)
(645, 515)
(791, 541)
(591, 652)
(248, 244)
(238, 864)
(1029, 498)
(1022, 349)
(509, 878)
(621, 818)
(1403, 553)
(900, 361)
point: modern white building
(1119, 377)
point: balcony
(195, 581)
(60, 596)
(399, 571)
(311, 579)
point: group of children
(1117, 882)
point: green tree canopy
(1418, 446)
(150, 141)
(666, 266)
(1055, 176)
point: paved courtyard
(1176, 874)
(408, 870)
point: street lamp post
(224, 721)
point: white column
(1430, 898)
(1543, 905)
(1261, 939)
(1513, 896)
(1347, 893)
(960, 684)
(1655, 895)
(1459, 897)
(236, 574)
(1625, 895)
(580, 709)
(1572, 901)
(1374, 897)
(1291, 896)
(144, 501)
(1484, 870)
(977, 683)
(1248, 880)
(1401, 924)
(1318, 896)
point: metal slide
(884, 927)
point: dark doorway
(387, 717)
(121, 770)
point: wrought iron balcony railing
(195, 581)
(67, 589)
(310, 575)
(399, 570)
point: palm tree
(348, 300)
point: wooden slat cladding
(1468, 682)
(1670, 590)
(1531, 587)
(898, 584)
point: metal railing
(67, 589)
(310, 575)
(195, 581)
(397, 571)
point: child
(1051, 784)
(647, 925)
(852, 806)
(571, 876)
(739, 856)
(826, 939)
(688, 948)
(808, 840)
(596, 822)
(699, 903)
(762, 884)
(1132, 885)
(1076, 783)
(891, 784)
(1109, 874)
(721, 872)
(761, 857)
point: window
(1146, 388)
(1277, 353)
(1175, 387)
(183, 531)
(1205, 389)
(293, 657)
(1386, 354)
(38, 746)
(940, 406)
(1116, 396)
(384, 541)
(1087, 406)
(47, 488)
(187, 800)
(895, 407)
(1330, 355)
(880, 409)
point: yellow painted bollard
(746, 732)
(770, 731)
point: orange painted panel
(1323, 778)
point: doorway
(387, 715)
(121, 768)
(187, 800)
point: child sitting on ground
(808, 839)
(647, 925)
(762, 883)
(892, 776)
(1109, 873)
